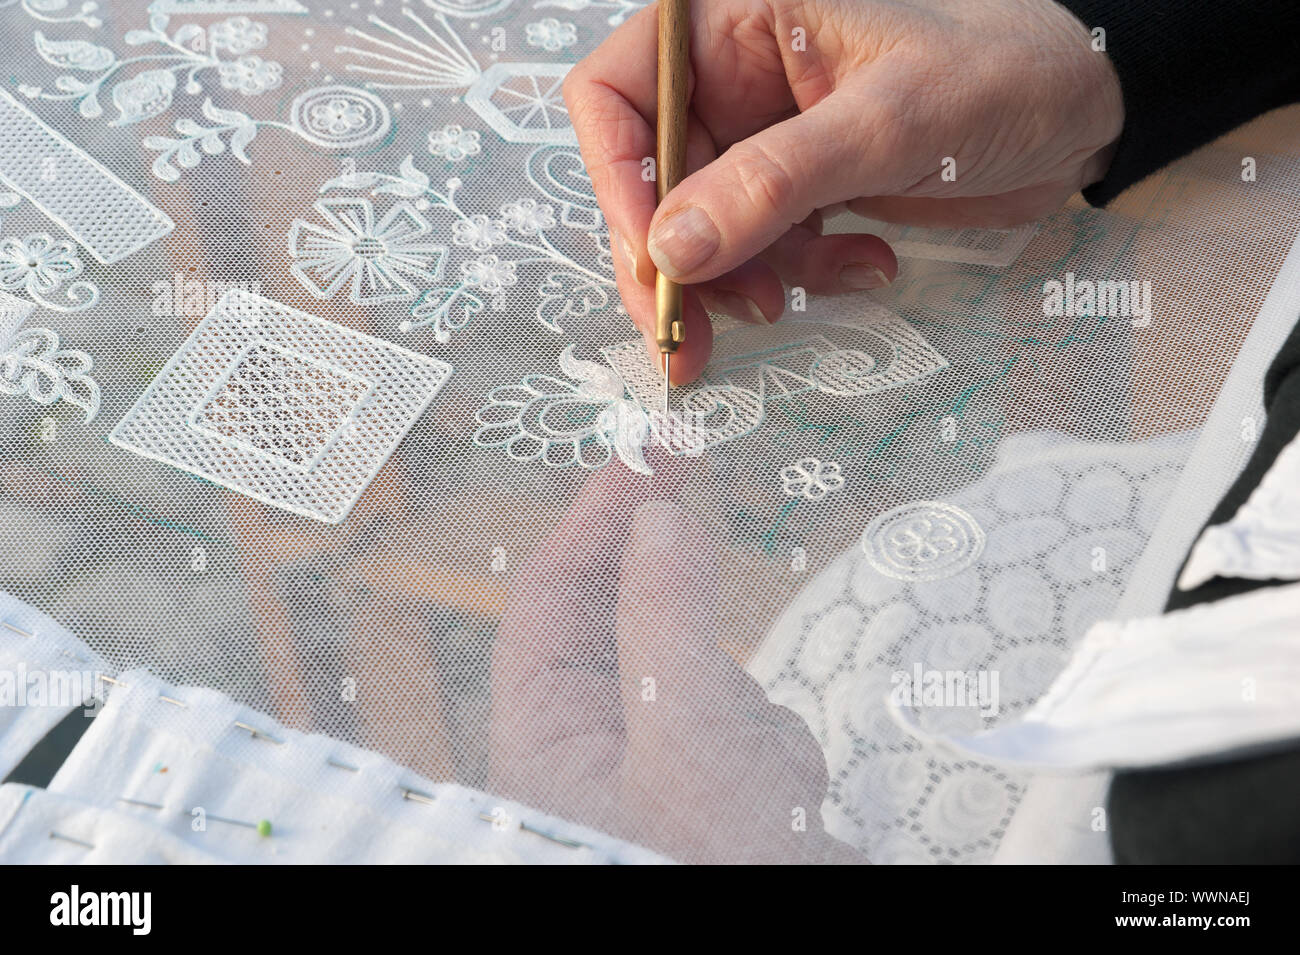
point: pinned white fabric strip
(45, 673)
(1201, 682)
(1262, 541)
(219, 779)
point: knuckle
(766, 179)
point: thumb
(726, 213)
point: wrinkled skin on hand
(803, 108)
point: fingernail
(683, 241)
(736, 305)
(863, 276)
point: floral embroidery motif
(523, 102)
(46, 10)
(522, 236)
(489, 273)
(924, 540)
(380, 260)
(119, 223)
(189, 49)
(561, 424)
(454, 143)
(730, 399)
(38, 266)
(33, 364)
(250, 75)
(551, 35)
(238, 35)
(340, 117)
(810, 479)
(334, 117)
(622, 9)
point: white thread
(210, 7)
(811, 479)
(523, 102)
(34, 365)
(380, 261)
(292, 410)
(98, 209)
(923, 540)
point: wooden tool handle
(670, 148)
(674, 93)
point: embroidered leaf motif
(568, 294)
(143, 96)
(33, 364)
(412, 183)
(73, 54)
(351, 180)
(435, 307)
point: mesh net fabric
(367, 449)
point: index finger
(611, 99)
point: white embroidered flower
(489, 273)
(454, 143)
(527, 216)
(238, 35)
(250, 75)
(478, 233)
(810, 479)
(551, 35)
(36, 264)
(562, 424)
(378, 259)
(337, 116)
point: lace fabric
(316, 393)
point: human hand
(704, 770)
(864, 116)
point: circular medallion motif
(340, 117)
(923, 540)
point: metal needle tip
(667, 357)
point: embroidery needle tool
(670, 161)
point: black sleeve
(1242, 810)
(1190, 70)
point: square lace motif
(292, 410)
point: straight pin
(262, 826)
(257, 733)
(75, 842)
(416, 796)
(12, 629)
(138, 802)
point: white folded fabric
(37, 826)
(45, 673)
(1262, 541)
(184, 763)
(1208, 681)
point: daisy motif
(337, 117)
(454, 143)
(238, 35)
(478, 233)
(551, 35)
(250, 75)
(810, 479)
(381, 260)
(36, 264)
(490, 273)
(528, 216)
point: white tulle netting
(316, 391)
